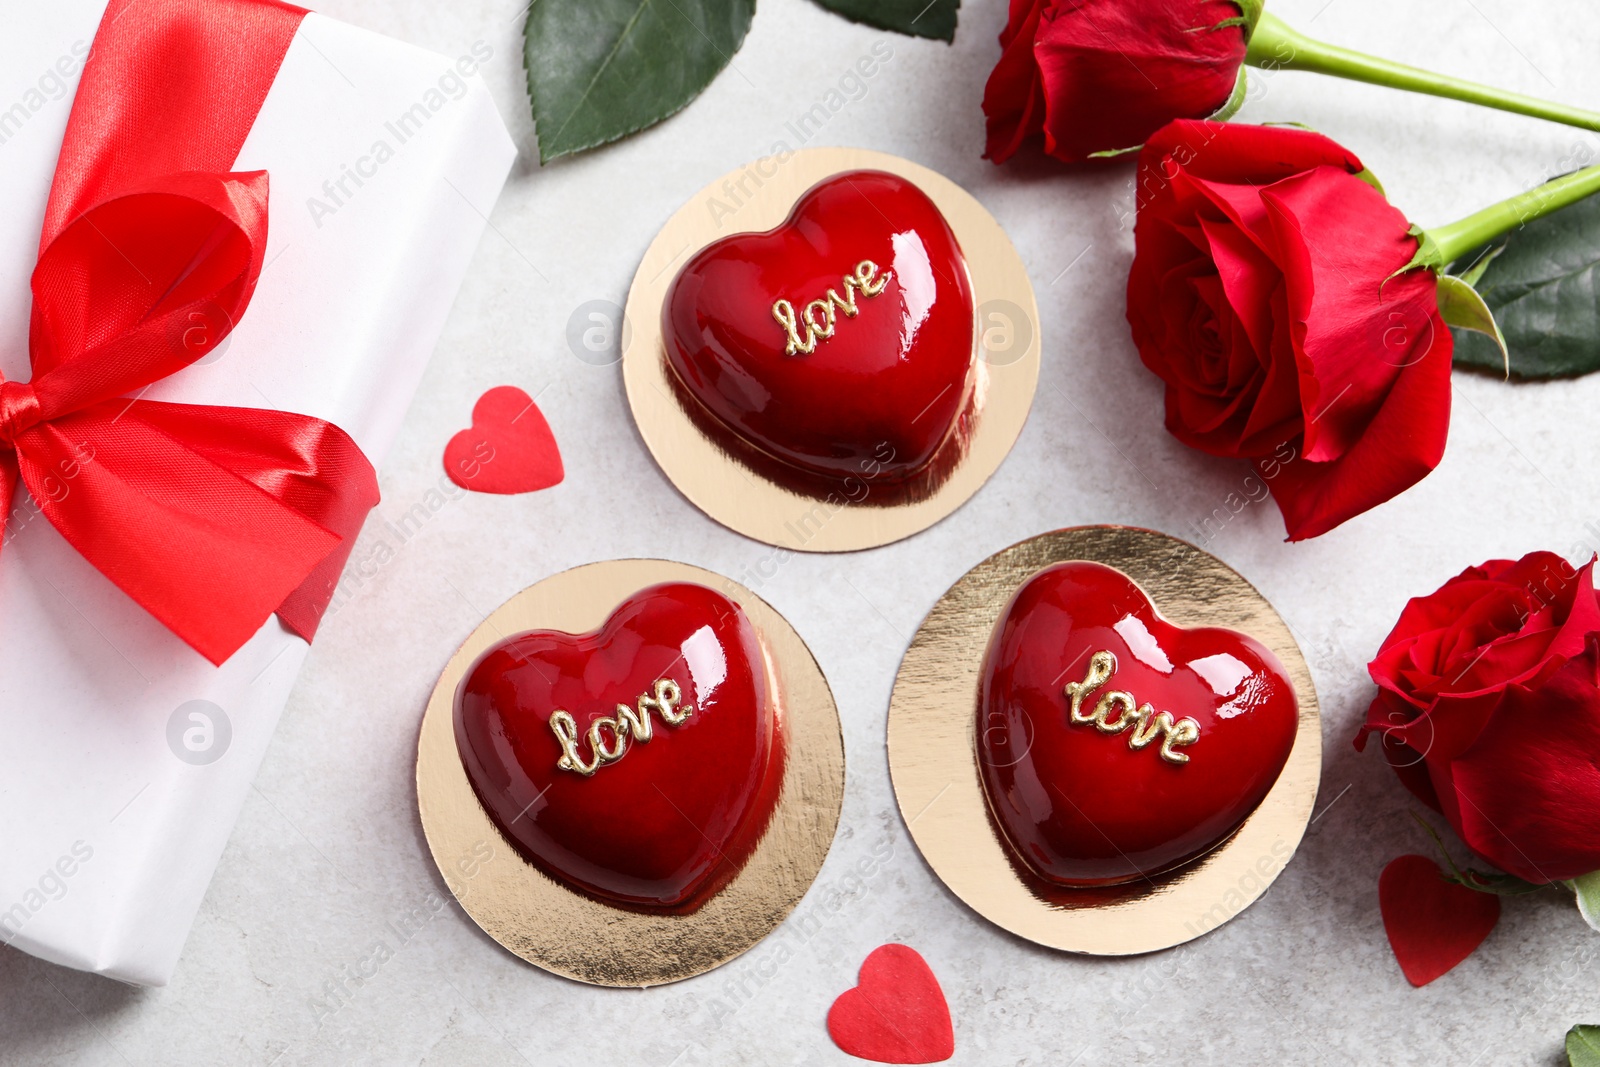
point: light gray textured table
(328, 859)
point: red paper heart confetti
(1432, 924)
(896, 1013)
(508, 448)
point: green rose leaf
(1544, 289)
(599, 70)
(1583, 1046)
(918, 18)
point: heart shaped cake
(639, 763)
(839, 343)
(1114, 745)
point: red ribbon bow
(212, 518)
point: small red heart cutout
(1433, 924)
(508, 448)
(1113, 744)
(896, 1013)
(840, 341)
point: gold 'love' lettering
(627, 723)
(1147, 723)
(820, 317)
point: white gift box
(124, 755)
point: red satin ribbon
(212, 518)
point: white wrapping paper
(124, 755)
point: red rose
(1102, 75)
(1267, 292)
(1488, 708)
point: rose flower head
(1097, 77)
(1488, 708)
(1273, 291)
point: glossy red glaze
(885, 390)
(670, 821)
(1079, 806)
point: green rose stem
(1443, 245)
(1274, 45)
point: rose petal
(1114, 73)
(1432, 924)
(1404, 441)
(1356, 324)
(1449, 726)
(1248, 278)
(1013, 98)
(1528, 791)
(1240, 153)
(1276, 417)
(1242, 206)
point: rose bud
(1101, 77)
(1093, 78)
(1488, 709)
